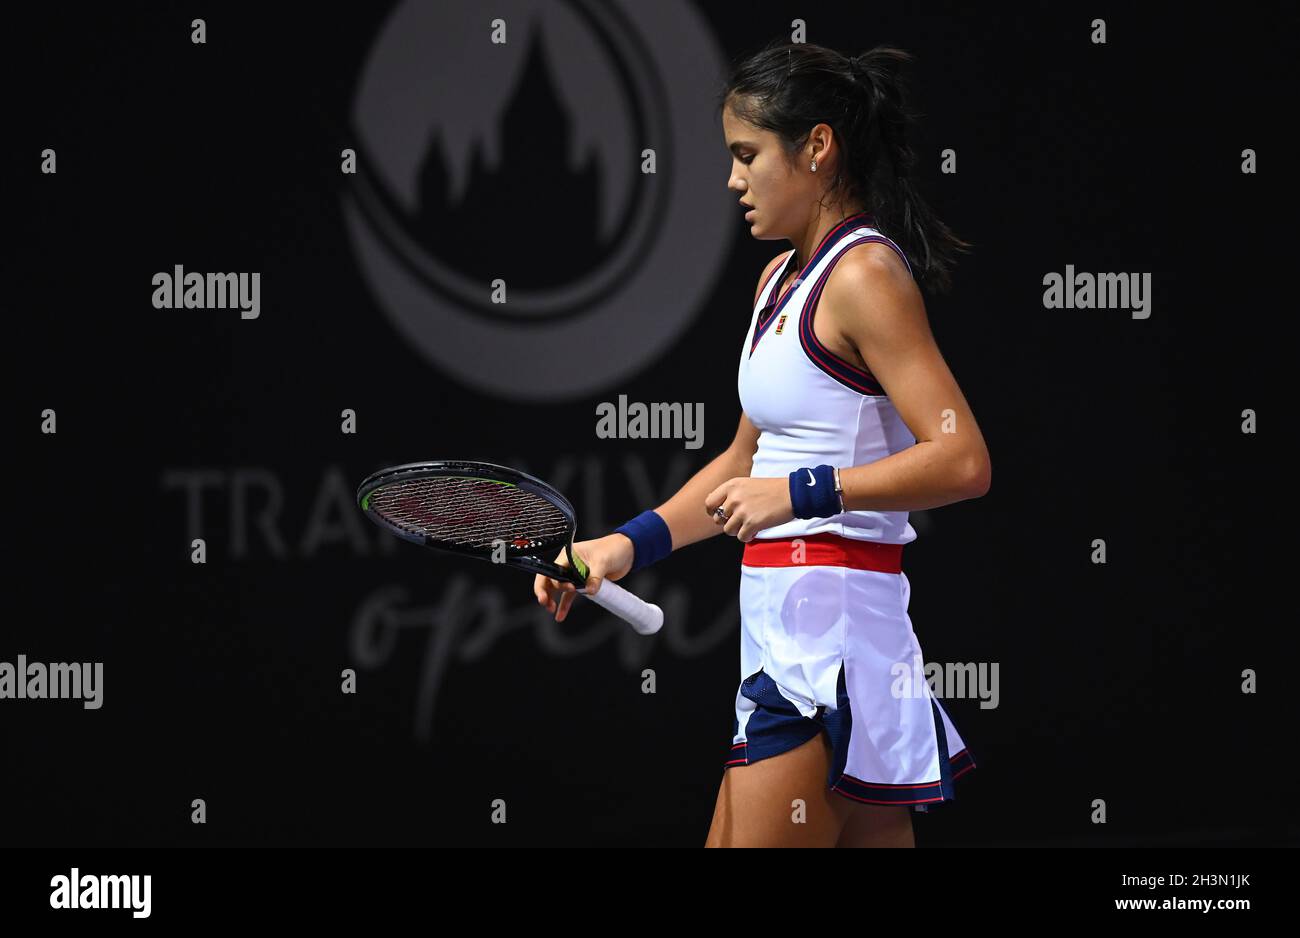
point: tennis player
(850, 419)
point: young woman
(850, 419)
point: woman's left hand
(751, 505)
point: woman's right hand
(607, 558)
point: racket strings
(471, 513)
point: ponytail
(883, 179)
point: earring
(814, 166)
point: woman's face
(762, 178)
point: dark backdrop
(222, 681)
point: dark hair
(788, 88)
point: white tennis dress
(826, 641)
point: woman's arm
(612, 556)
(687, 519)
(876, 306)
(684, 513)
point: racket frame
(504, 475)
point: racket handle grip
(645, 618)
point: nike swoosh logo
(811, 479)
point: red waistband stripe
(824, 550)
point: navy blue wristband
(812, 492)
(651, 539)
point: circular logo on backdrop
(518, 164)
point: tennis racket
(476, 509)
